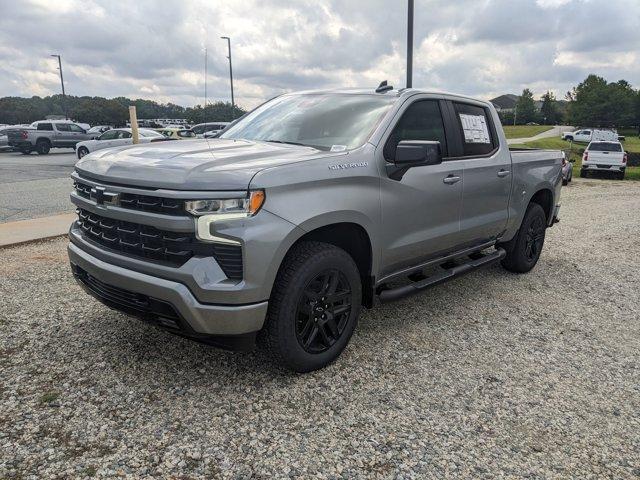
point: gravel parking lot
(494, 375)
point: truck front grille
(146, 203)
(144, 241)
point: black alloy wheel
(323, 311)
(534, 239)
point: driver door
(420, 210)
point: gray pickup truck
(42, 136)
(308, 208)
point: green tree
(596, 103)
(525, 108)
(215, 112)
(549, 109)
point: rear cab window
(476, 130)
(45, 126)
(605, 147)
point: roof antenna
(383, 87)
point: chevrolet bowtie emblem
(101, 196)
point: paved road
(554, 132)
(34, 185)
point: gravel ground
(494, 375)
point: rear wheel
(583, 173)
(570, 176)
(43, 147)
(314, 307)
(523, 251)
(621, 175)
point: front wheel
(314, 307)
(523, 251)
(82, 151)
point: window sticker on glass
(475, 128)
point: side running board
(440, 277)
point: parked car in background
(202, 129)
(116, 138)
(98, 130)
(604, 157)
(317, 204)
(4, 139)
(592, 135)
(177, 133)
(567, 170)
(42, 136)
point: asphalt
(33, 186)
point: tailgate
(605, 158)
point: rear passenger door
(63, 136)
(420, 209)
(487, 173)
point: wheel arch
(353, 238)
(43, 139)
(544, 198)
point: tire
(621, 176)
(300, 333)
(523, 251)
(570, 176)
(43, 147)
(583, 173)
(569, 138)
(565, 182)
(82, 151)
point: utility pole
(204, 111)
(410, 45)
(230, 71)
(64, 97)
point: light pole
(410, 45)
(230, 71)
(64, 97)
(204, 111)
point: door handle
(451, 179)
(503, 173)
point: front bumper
(194, 319)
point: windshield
(324, 121)
(605, 147)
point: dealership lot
(491, 375)
(34, 185)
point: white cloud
(152, 50)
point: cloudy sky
(155, 49)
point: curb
(27, 231)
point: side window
(75, 128)
(421, 121)
(475, 129)
(124, 134)
(63, 127)
(586, 132)
(45, 126)
(109, 135)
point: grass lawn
(631, 144)
(524, 131)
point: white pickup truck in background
(592, 134)
(604, 157)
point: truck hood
(213, 164)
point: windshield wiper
(288, 143)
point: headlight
(246, 206)
(210, 211)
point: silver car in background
(116, 137)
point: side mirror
(415, 153)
